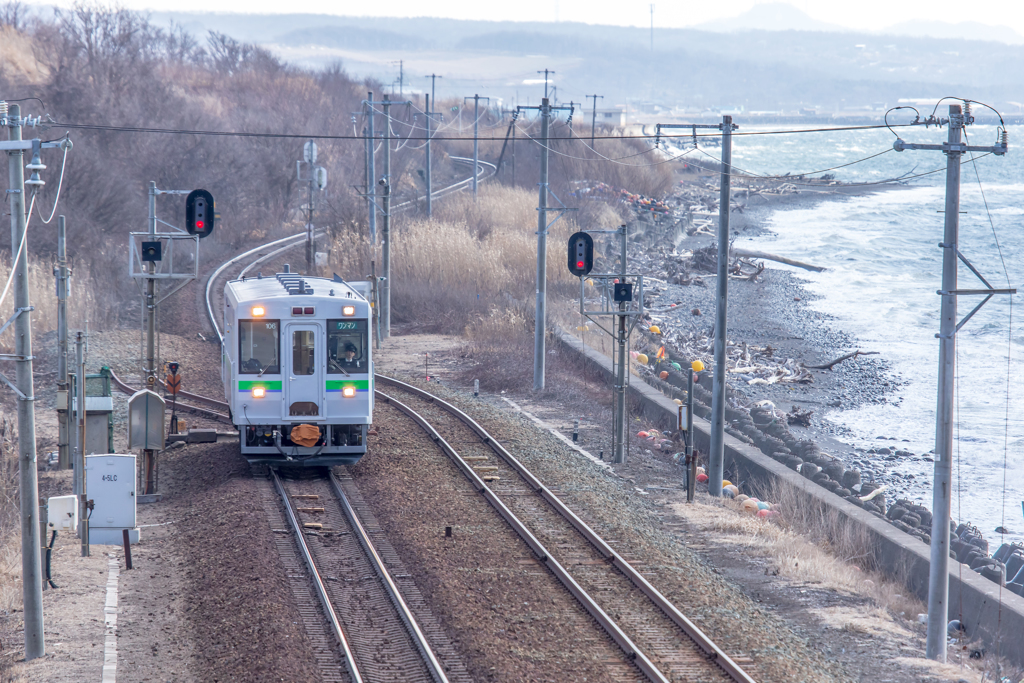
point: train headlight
(348, 392)
(258, 392)
(348, 310)
(258, 311)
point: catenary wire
(1009, 366)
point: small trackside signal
(581, 254)
(199, 213)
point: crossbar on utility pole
(938, 574)
(31, 541)
(476, 137)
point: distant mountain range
(772, 58)
(780, 16)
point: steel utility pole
(619, 449)
(540, 323)
(476, 137)
(63, 417)
(652, 29)
(938, 574)
(716, 457)
(31, 541)
(385, 300)
(546, 72)
(371, 173)
(593, 119)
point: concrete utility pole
(938, 574)
(83, 523)
(540, 324)
(430, 207)
(546, 72)
(716, 456)
(593, 119)
(63, 418)
(476, 137)
(31, 541)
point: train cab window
(258, 347)
(347, 347)
(303, 352)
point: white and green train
(297, 368)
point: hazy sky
(860, 14)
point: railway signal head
(581, 254)
(199, 213)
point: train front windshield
(347, 346)
(259, 347)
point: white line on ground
(561, 437)
(110, 623)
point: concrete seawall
(994, 615)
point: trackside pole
(540, 322)
(716, 457)
(31, 541)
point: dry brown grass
(795, 549)
(83, 304)
(461, 270)
(10, 552)
(18, 57)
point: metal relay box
(110, 483)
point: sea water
(883, 269)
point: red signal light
(580, 265)
(200, 224)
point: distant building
(609, 118)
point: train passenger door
(304, 363)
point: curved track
(654, 634)
(286, 243)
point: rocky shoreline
(783, 374)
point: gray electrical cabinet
(110, 483)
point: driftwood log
(837, 361)
(772, 257)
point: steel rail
(321, 589)
(436, 670)
(295, 239)
(221, 417)
(633, 653)
(731, 668)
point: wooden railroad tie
(485, 468)
(305, 496)
(312, 525)
(474, 457)
(311, 510)
(492, 477)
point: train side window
(259, 347)
(347, 347)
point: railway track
(381, 626)
(186, 401)
(662, 642)
(652, 633)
